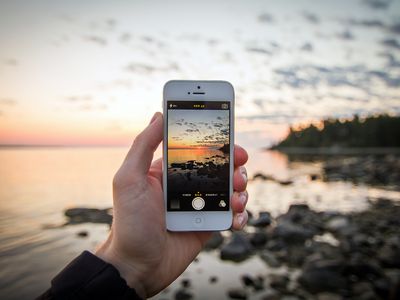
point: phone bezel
(213, 91)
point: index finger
(240, 156)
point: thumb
(141, 153)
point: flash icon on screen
(222, 203)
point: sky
(197, 128)
(92, 72)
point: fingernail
(244, 173)
(243, 198)
(240, 220)
(155, 116)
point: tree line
(373, 131)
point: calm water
(37, 184)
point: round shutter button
(198, 203)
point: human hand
(148, 256)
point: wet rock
(270, 259)
(271, 294)
(238, 249)
(292, 233)
(258, 238)
(337, 224)
(88, 215)
(215, 241)
(263, 177)
(256, 283)
(389, 253)
(263, 220)
(83, 233)
(186, 283)
(323, 276)
(285, 182)
(279, 282)
(213, 279)
(237, 293)
(328, 296)
(183, 294)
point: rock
(237, 294)
(389, 254)
(328, 296)
(292, 233)
(279, 282)
(83, 233)
(186, 283)
(263, 220)
(256, 283)
(263, 177)
(271, 294)
(258, 238)
(213, 279)
(215, 241)
(270, 259)
(285, 182)
(183, 294)
(323, 276)
(338, 223)
(238, 249)
(363, 290)
(88, 215)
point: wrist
(130, 274)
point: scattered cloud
(11, 62)
(346, 35)
(259, 50)
(310, 17)
(357, 76)
(80, 98)
(7, 101)
(307, 47)
(394, 28)
(96, 39)
(391, 43)
(367, 23)
(377, 4)
(265, 18)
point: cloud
(310, 17)
(11, 62)
(140, 67)
(265, 18)
(377, 4)
(392, 62)
(367, 23)
(8, 101)
(81, 98)
(192, 130)
(307, 47)
(125, 37)
(356, 76)
(346, 35)
(259, 50)
(95, 39)
(394, 28)
(391, 43)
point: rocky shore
(324, 255)
(327, 255)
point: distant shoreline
(337, 150)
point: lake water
(37, 184)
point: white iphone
(198, 154)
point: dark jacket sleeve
(89, 277)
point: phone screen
(198, 155)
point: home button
(198, 221)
